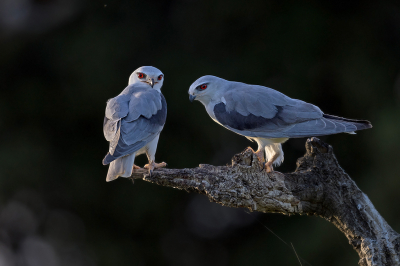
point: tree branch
(319, 186)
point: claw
(263, 167)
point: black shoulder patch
(240, 122)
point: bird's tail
(326, 125)
(121, 167)
(358, 124)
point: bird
(266, 116)
(133, 122)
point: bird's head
(148, 75)
(206, 89)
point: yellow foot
(268, 167)
(260, 156)
(152, 165)
(135, 167)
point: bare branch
(319, 186)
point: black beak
(192, 97)
(151, 82)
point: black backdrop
(60, 62)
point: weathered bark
(319, 186)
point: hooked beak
(191, 97)
(151, 82)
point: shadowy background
(62, 59)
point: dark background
(61, 60)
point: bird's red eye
(203, 87)
(140, 75)
(160, 77)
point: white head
(207, 88)
(147, 74)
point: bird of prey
(133, 122)
(266, 116)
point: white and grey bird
(266, 116)
(133, 122)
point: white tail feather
(121, 167)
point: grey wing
(116, 109)
(111, 129)
(140, 126)
(134, 101)
(258, 111)
(256, 100)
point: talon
(150, 167)
(263, 166)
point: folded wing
(257, 111)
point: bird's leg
(153, 165)
(151, 152)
